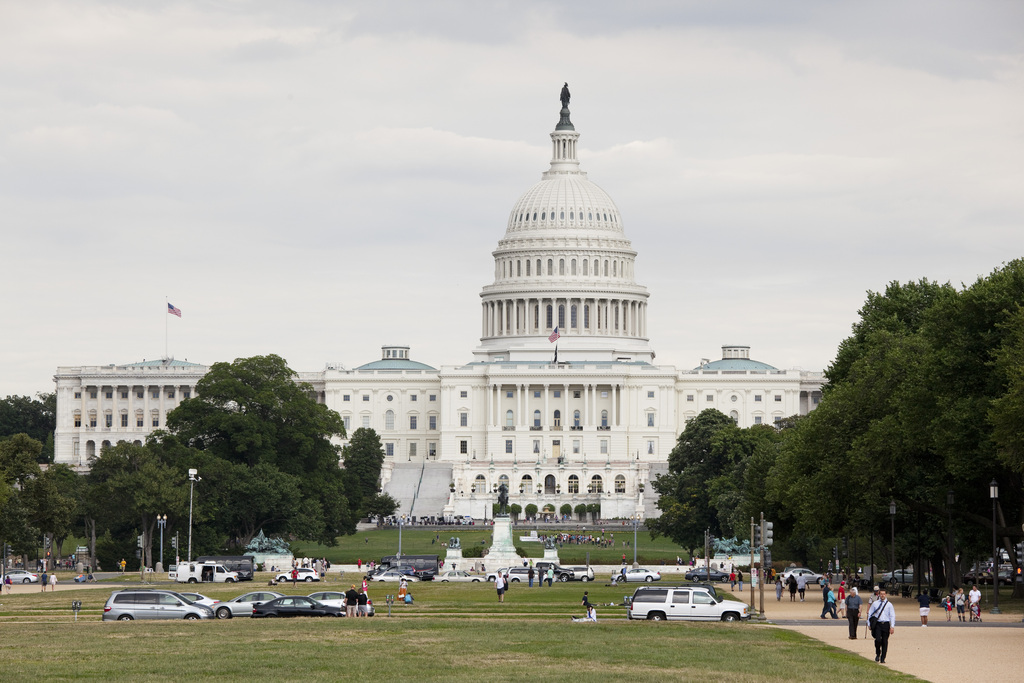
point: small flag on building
(176, 311)
(554, 336)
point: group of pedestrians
(356, 602)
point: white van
(202, 572)
(692, 603)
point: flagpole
(167, 303)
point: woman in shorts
(961, 604)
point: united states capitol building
(581, 416)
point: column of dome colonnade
(564, 262)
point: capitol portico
(561, 401)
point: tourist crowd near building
(561, 402)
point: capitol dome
(564, 265)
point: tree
(565, 510)
(515, 509)
(531, 511)
(265, 445)
(380, 505)
(363, 457)
(581, 511)
(595, 512)
(37, 418)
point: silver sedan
(243, 604)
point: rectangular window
(109, 420)
(815, 399)
(778, 419)
(463, 394)
(650, 419)
(709, 398)
(689, 398)
(124, 420)
(509, 394)
(186, 394)
(170, 393)
(140, 421)
(413, 398)
(366, 421)
(433, 397)
(124, 394)
(110, 394)
(604, 446)
(576, 393)
(389, 449)
(347, 421)
(536, 394)
(412, 422)
(464, 447)
(463, 419)
(140, 394)
(778, 398)
(558, 393)
(78, 420)
(92, 421)
(650, 448)
(757, 399)
(366, 398)
(432, 449)
(412, 450)
(92, 394)
(576, 447)
(757, 419)
(156, 394)
(508, 446)
(78, 394)
(346, 398)
(156, 421)
(650, 394)
(432, 422)
(604, 394)
(76, 448)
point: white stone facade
(593, 427)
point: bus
(245, 565)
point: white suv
(693, 603)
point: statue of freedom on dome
(565, 95)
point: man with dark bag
(883, 626)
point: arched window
(480, 485)
(572, 317)
(536, 317)
(536, 418)
(549, 484)
(574, 484)
(615, 268)
(604, 418)
(509, 418)
(735, 416)
(606, 267)
(596, 484)
(561, 316)
(551, 266)
(572, 267)
(526, 484)
(389, 420)
(550, 318)
(558, 418)
(561, 266)
(650, 418)
(620, 484)
(576, 419)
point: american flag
(173, 310)
(554, 335)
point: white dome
(565, 202)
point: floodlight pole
(193, 477)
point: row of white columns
(513, 317)
(524, 417)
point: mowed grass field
(453, 632)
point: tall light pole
(193, 477)
(636, 523)
(401, 521)
(993, 493)
(161, 521)
(949, 520)
(892, 531)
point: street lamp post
(161, 521)
(892, 532)
(401, 521)
(636, 523)
(193, 477)
(951, 562)
(993, 493)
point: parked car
(515, 574)
(395, 576)
(562, 574)
(305, 574)
(639, 574)
(243, 604)
(703, 574)
(582, 573)
(337, 599)
(295, 606)
(127, 605)
(812, 577)
(691, 603)
(459, 575)
(902, 575)
(199, 599)
(22, 576)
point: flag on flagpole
(171, 309)
(554, 336)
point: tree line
(923, 407)
(263, 449)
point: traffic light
(757, 536)
(174, 542)
(140, 540)
(768, 533)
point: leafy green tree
(380, 505)
(565, 510)
(595, 511)
(531, 511)
(581, 511)
(36, 418)
(363, 457)
(515, 509)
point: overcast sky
(316, 179)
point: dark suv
(562, 574)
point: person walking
(499, 585)
(45, 580)
(961, 604)
(53, 582)
(884, 625)
(791, 582)
(841, 599)
(778, 589)
(830, 603)
(732, 579)
(925, 602)
(853, 605)
(739, 578)
(801, 586)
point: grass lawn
(453, 632)
(373, 545)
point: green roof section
(396, 364)
(163, 363)
(735, 364)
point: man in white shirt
(499, 585)
(884, 627)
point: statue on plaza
(262, 544)
(503, 499)
(454, 543)
(731, 546)
(549, 543)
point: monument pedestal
(502, 552)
